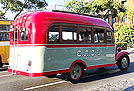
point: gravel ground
(126, 85)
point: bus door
(15, 51)
(110, 53)
(100, 49)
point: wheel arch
(120, 63)
(78, 62)
(120, 54)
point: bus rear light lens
(29, 63)
(119, 49)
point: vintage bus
(50, 43)
(4, 41)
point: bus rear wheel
(64, 76)
(76, 73)
(123, 62)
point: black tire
(1, 64)
(76, 73)
(64, 76)
(123, 62)
(51, 76)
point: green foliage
(19, 5)
(1, 13)
(74, 6)
(130, 10)
(125, 34)
(123, 45)
(101, 6)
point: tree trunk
(17, 14)
(21, 9)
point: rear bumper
(37, 74)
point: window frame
(85, 27)
(53, 42)
(112, 37)
(69, 41)
(77, 26)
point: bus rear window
(24, 34)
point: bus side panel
(62, 58)
(110, 54)
(54, 59)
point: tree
(74, 6)
(19, 5)
(105, 8)
(125, 33)
(2, 15)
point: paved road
(105, 79)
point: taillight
(119, 49)
(29, 63)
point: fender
(120, 54)
(78, 61)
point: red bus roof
(61, 17)
(40, 21)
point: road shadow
(3, 69)
(129, 89)
(102, 73)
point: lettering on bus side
(89, 53)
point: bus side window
(69, 34)
(109, 37)
(53, 35)
(24, 34)
(99, 36)
(85, 35)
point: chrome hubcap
(124, 62)
(75, 72)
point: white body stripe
(26, 54)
